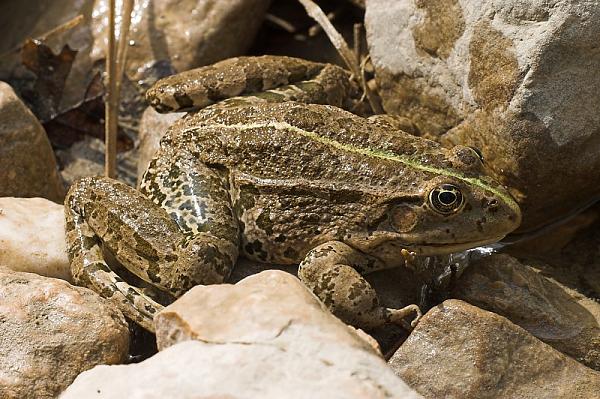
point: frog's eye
(478, 153)
(446, 199)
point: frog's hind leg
(252, 79)
(105, 214)
(333, 272)
(91, 270)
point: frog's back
(294, 140)
(300, 174)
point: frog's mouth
(430, 249)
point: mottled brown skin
(281, 182)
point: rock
(187, 33)
(265, 337)
(575, 264)
(27, 163)
(166, 36)
(32, 237)
(51, 332)
(86, 158)
(546, 309)
(460, 351)
(507, 77)
(153, 127)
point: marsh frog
(272, 166)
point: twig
(115, 66)
(356, 39)
(315, 12)
(112, 101)
(281, 23)
(123, 40)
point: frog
(275, 161)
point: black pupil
(447, 197)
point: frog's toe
(398, 316)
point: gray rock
(460, 351)
(52, 331)
(27, 163)
(517, 79)
(563, 319)
(265, 337)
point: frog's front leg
(333, 272)
(192, 240)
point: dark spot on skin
(263, 222)
(291, 253)
(280, 238)
(183, 100)
(255, 249)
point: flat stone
(265, 337)
(52, 331)
(516, 79)
(27, 163)
(460, 351)
(548, 310)
(32, 237)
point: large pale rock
(187, 33)
(265, 337)
(153, 127)
(517, 79)
(548, 310)
(27, 163)
(460, 351)
(50, 332)
(166, 36)
(32, 237)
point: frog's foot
(89, 269)
(250, 79)
(327, 272)
(398, 316)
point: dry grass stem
(115, 66)
(281, 23)
(351, 61)
(112, 101)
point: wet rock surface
(50, 332)
(505, 77)
(32, 237)
(555, 314)
(240, 339)
(27, 163)
(461, 351)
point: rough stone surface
(517, 79)
(186, 33)
(166, 36)
(27, 163)
(32, 237)
(461, 351)
(265, 337)
(86, 158)
(50, 332)
(569, 254)
(153, 127)
(546, 309)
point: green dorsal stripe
(375, 153)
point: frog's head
(456, 206)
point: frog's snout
(500, 215)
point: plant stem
(112, 100)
